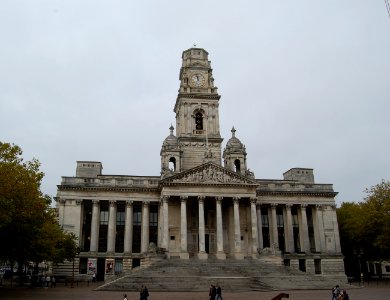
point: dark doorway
(207, 243)
(101, 263)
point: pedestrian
(218, 293)
(335, 292)
(53, 281)
(47, 281)
(345, 295)
(94, 277)
(141, 293)
(124, 297)
(212, 292)
(146, 293)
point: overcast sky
(305, 83)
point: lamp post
(77, 253)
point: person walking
(124, 297)
(218, 293)
(212, 292)
(335, 292)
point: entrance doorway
(101, 269)
(207, 243)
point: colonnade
(255, 233)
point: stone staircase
(232, 275)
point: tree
(29, 230)
(365, 228)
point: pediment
(208, 173)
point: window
(264, 220)
(120, 218)
(104, 218)
(137, 218)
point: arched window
(199, 121)
(237, 165)
(172, 164)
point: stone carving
(210, 174)
(270, 251)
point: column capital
(303, 206)
(165, 198)
(253, 200)
(129, 203)
(273, 205)
(95, 202)
(112, 202)
(288, 206)
(201, 199)
(62, 200)
(319, 206)
(236, 200)
(183, 198)
(333, 206)
(219, 199)
(79, 201)
(145, 203)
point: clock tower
(196, 109)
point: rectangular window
(295, 220)
(264, 220)
(137, 217)
(104, 218)
(279, 220)
(120, 218)
(153, 220)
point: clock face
(197, 80)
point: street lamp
(77, 253)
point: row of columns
(201, 227)
(128, 234)
(256, 227)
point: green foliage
(365, 226)
(28, 226)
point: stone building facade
(205, 203)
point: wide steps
(232, 275)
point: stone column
(319, 227)
(274, 227)
(220, 253)
(237, 230)
(160, 224)
(336, 230)
(128, 227)
(145, 227)
(304, 231)
(95, 226)
(111, 228)
(255, 242)
(259, 226)
(183, 228)
(165, 235)
(288, 230)
(202, 252)
(317, 242)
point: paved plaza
(61, 292)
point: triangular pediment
(208, 173)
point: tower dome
(234, 155)
(170, 141)
(170, 155)
(234, 145)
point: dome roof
(234, 144)
(171, 140)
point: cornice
(297, 193)
(106, 188)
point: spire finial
(171, 129)
(233, 132)
(194, 45)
